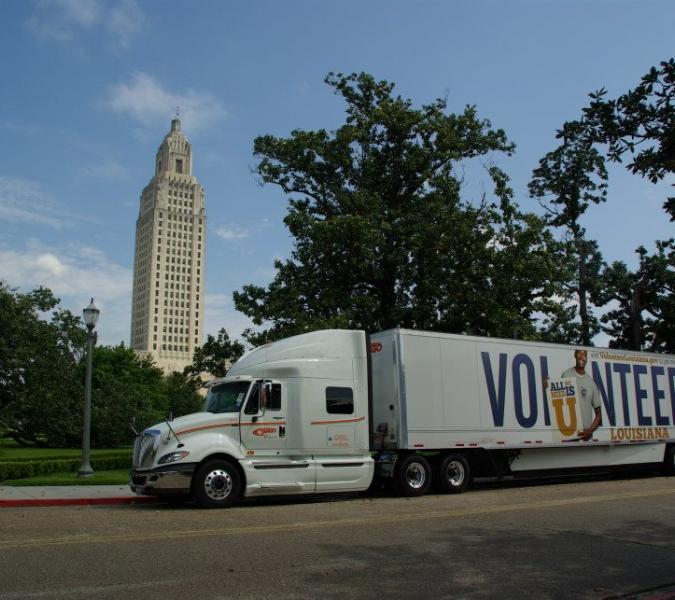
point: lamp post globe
(90, 315)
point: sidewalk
(65, 495)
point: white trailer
(335, 410)
(489, 407)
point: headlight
(172, 457)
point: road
(605, 538)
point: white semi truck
(336, 410)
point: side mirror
(265, 395)
(253, 404)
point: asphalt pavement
(604, 539)
(65, 495)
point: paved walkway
(59, 495)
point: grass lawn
(117, 477)
(10, 450)
(12, 453)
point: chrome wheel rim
(218, 484)
(415, 475)
(455, 473)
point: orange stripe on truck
(218, 425)
(215, 426)
(337, 421)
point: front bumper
(170, 480)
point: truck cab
(290, 417)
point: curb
(76, 501)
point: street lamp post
(90, 317)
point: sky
(89, 88)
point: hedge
(21, 469)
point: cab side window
(253, 404)
(274, 402)
(339, 400)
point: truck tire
(216, 484)
(454, 474)
(413, 475)
(669, 461)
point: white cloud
(84, 13)
(219, 312)
(231, 234)
(62, 20)
(18, 127)
(75, 273)
(145, 100)
(49, 264)
(125, 21)
(23, 201)
(72, 270)
(108, 169)
(58, 20)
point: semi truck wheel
(217, 484)
(454, 474)
(413, 475)
(669, 461)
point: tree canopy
(38, 363)
(640, 124)
(643, 314)
(384, 236)
(567, 180)
(214, 357)
(42, 374)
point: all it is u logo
(566, 428)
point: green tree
(640, 123)
(643, 316)
(566, 181)
(214, 357)
(383, 237)
(526, 272)
(40, 395)
(125, 388)
(181, 396)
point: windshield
(226, 397)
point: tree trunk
(635, 323)
(582, 292)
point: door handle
(282, 431)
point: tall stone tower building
(167, 313)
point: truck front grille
(145, 448)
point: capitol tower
(167, 312)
